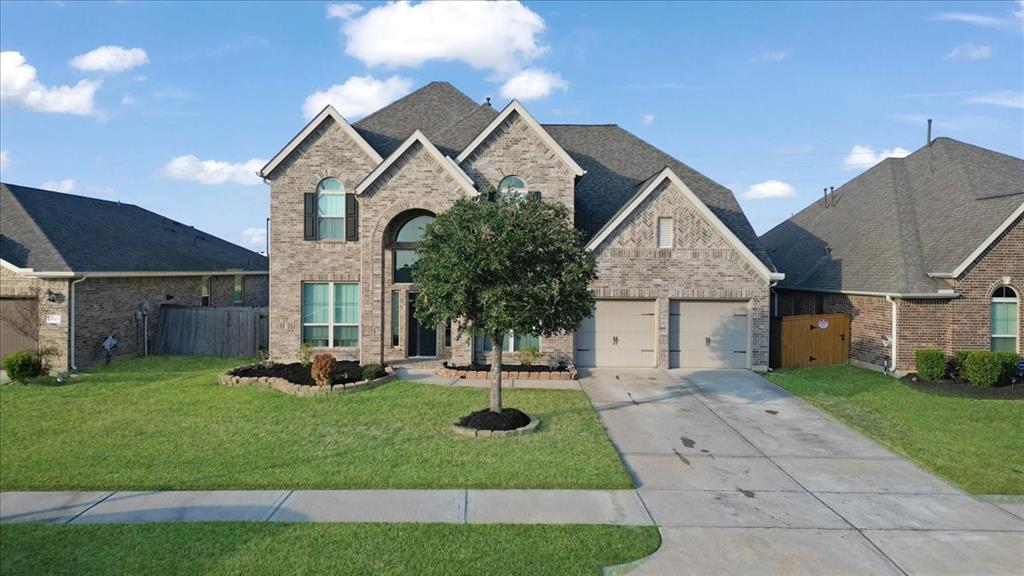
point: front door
(422, 340)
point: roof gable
(311, 126)
(445, 162)
(649, 186)
(515, 107)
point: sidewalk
(622, 507)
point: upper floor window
(1005, 312)
(330, 201)
(665, 233)
(406, 240)
(512, 185)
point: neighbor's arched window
(330, 202)
(1004, 319)
(406, 240)
(512, 185)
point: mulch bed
(345, 371)
(959, 387)
(508, 419)
(508, 368)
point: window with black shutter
(352, 217)
(309, 231)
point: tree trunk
(496, 345)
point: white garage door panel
(708, 334)
(620, 333)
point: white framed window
(1005, 311)
(666, 233)
(512, 185)
(239, 291)
(330, 209)
(330, 314)
(204, 291)
(513, 342)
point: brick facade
(52, 337)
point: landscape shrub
(982, 368)
(373, 371)
(322, 369)
(1008, 361)
(304, 354)
(528, 355)
(23, 366)
(931, 363)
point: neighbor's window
(204, 291)
(330, 314)
(513, 342)
(395, 307)
(408, 237)
(665, 233)
(512, 185)
(1004, 319)
(330, 201)
(239, 294)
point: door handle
(707, 342)
(615, 340)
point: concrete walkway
(744, 478)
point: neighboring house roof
(614, 160)
(54, 232)
(445, 162)
(902, 224)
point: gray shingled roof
(886, 229)
(55, 232)
(616, 161)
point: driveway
(744, 478)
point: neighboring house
(925, 251)
(683, 279)
(76, 269)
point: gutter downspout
(71, 322)
(894, 356)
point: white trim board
(701, 208)
(444, 161)
(310, 127)
(940, 295)
(515, 106)
(127, 274)
(981, 248)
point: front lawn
(164, 423)
(356, 549)
(977, 444)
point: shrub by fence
(231, 332)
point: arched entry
(402, 239)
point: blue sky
(174, 106)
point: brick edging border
(285, 387)
(570, 374)
(474, 433)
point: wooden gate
(815, 340)
(233, 332)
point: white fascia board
(940, 295)
(515, 106)
(984, 246)
(143, 274)
(701, 208)
(445, 162)
(313, 124)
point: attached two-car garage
(701, 334)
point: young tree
(504, 264)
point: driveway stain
(773, 412)
(747, 493)
(681, 457)
(687, 442)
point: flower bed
(509, 371)
(295, 378)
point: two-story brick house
(683, 280)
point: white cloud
(110, 59)
(647, 119)
(498, 36)
(66, 185)
(769, 56)
(532, 84)
(255, 237)
(970, 18)
(19, 85)
(129, 100)
(343, 11)
(5, 159)
(969, 51)
(1007, 98)
(769, 189)
(358, 96)
(100, 191)
(214, 171)
(862, 156)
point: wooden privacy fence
(234, 332)
(810, 340)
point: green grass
(164, 423)
(977, 444)
(267, 548)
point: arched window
(512, 185)
(330, 202)
(1005, 312)
(407, 238)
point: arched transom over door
(405, 233)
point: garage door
(620, 333)
(19, 325)
(707, 334)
